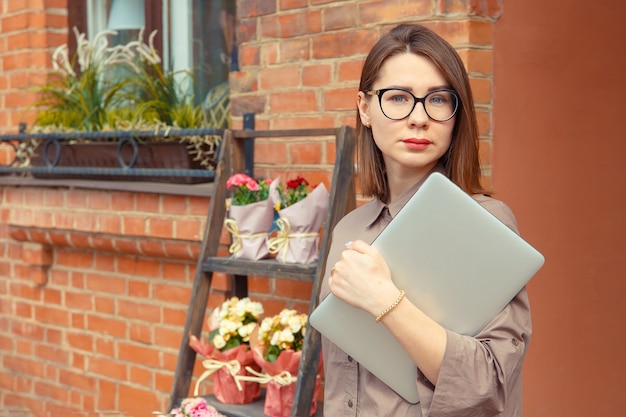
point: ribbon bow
(281, 241)
(212, 365)
(233, 228)
(284, 378)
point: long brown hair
(460, 162)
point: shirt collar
(376, 206)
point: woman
(415, 116)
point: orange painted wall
(559, 150)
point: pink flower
(238, 180)
(247, 190)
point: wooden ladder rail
(342, 200)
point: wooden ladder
(341, 200)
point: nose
(418, 116)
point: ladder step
(269, 268)
(254, 409)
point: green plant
(119, 88)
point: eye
(439, 98)
(397, 96)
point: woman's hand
(362, 278)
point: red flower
(296, 182)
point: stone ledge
(140, 245)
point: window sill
(196, 190)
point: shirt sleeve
(481, 375)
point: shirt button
(350, 403)
(349, 358)
(514, 341)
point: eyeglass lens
(440, 105)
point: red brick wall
(94, 285)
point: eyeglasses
(397, 103)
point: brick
(295, 50)
(291, 4)
(171, 293)
(335, 45)
(78, 300)
(339, 17)
(340, 99)
(138, 289)
(387, 10)
(105, 347)
(134, 310)
(487, 8)
(481, 90)
(98, 201)
(174, 316)
(104, 262)
(51, 354)
(167, 337)
(180, 250)
(108, 326)
(477, 60)
(141, 376)
(305, 153)
(280, 77)
(266, 152)
(122, 201)
(134, 226)
(188, 229)
(108, 394)
(106, 367)
(246, 30)
(350, 71)
(52, 296)
(80, 341)
(150, 203)
(175, 271)
(316, 75)
(294, 101)
(47, 390)
(52, 315)
(484, 122)
(253, 8)
(36, 254)
(140, 354)
(174, 204)
(248, 104)
(23, 365)
(249, 55)
(105, 284)
(270, 27)
(299, 24)
(140, 333)
(147, 268)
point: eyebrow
(439, 87)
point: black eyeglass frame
(416, 100)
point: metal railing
(128, 143)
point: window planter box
(154, 155)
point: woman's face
(411, 146)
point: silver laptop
(455, 260)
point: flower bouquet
(280, 347)
(228, 352)
(251, 213)
(299, 222)
(192, 407)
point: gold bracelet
(391, 307)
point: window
(196, 35)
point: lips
(416, 141)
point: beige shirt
(479, 376)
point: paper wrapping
(297, 239)
(249, 226)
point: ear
(363, 104)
